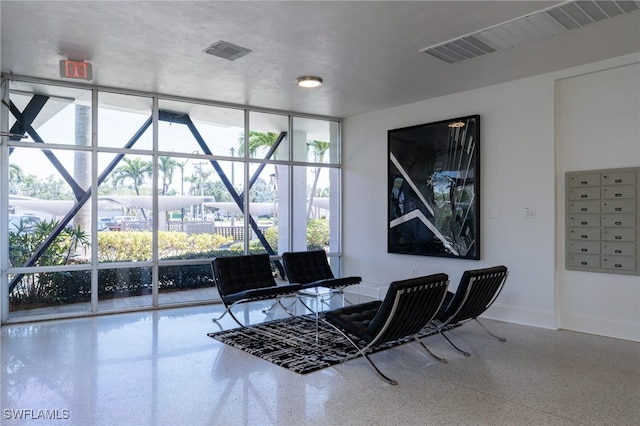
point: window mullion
(154, 204)
(94, 200)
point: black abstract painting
(433, 189)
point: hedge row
(59, 288)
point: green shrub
(37, 289)
(317, 234)
(54, 288)
(23, 243)
(137, 246)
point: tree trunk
(82, 163)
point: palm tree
(319, 149)
(16, 176)
(15, 172)
(257, 140)
(136, 170)
(199, 181)
(166, 166)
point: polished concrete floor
(160, 368)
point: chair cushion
(236, 274)
(306, 266)
(333, 282)
(396, 286)
(407, 308)
(262, 293)
(355, 319)
(453, 302)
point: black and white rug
(293, 343)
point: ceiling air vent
(226, 50)
(538, 25)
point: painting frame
(434, 189)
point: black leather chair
(477, 291)
(312, 269)
(407, 308)
(248, 278)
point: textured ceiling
(367, 52)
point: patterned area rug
(292, 343)
(295, 343)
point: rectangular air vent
(227, 50)
(543, 24)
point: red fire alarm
(77, 70)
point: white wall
(598, 127)
(518, 171)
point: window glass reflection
(208, 189)
(315, 208)
(124, 121)
(315, 141)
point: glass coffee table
(317, 296)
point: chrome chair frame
(248, 278)
(311, 269)
(407, 308)
(477, 291)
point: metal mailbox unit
(603, 221)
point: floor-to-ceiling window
(113, 200)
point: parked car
(23, 223)
(109, 222)
(119, 222)
(103, 227)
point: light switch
(530, 212)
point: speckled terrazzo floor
(160, 368)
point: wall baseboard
(601, 327)
(541, 318)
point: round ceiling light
(309, 81)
